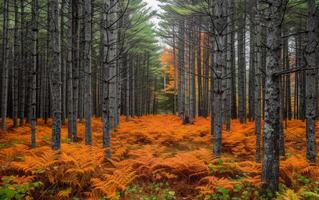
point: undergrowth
(154, 157)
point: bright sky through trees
(154, 4)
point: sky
(154, 4)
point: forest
(159, 99)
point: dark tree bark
(241, 65)
(22, 67)
(75, 64)
(70, 77)
(270, 166)
(17, 57)
(219, 25)
(55, 47)
(88, 70)
(181, 84)
(252, 62)
(5, 64)
(258, 83)
(311, 94)
(34, 71)
(199, 72)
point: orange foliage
(150, 148)
(167, 60)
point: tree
(111, 9)
(241, 62)
(5, 64)
(75, 64)
(17, 57)
(55, 66)
(270, 167)
(69, 71)
(22, 65)
(257, 91)
(219, 24)
(34, 71)
(311, 93)
(88, 70)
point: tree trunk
(63, 62)
(75, 64)
(199, 71)
(34, 71)
(70, 77)
(112, 56)
(192, 90)
(252, 67)
(218, 67)
(5, 64)
(55, 67)
(228, 71)
(241, 67)
(270, 165)
(181, 83)
(17, 56)
(257, 91)
(22, 66)
(310, 55)
(233, 62)
(87, 70)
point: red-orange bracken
(149, 148)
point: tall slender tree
(219, 24)
(88, 70)
(5, 64)
(311, 92)
(55, 66)
(270, 167)
(34, 71)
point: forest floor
(153, 157)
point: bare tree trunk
(175, 109)
(252, 67)
(75, 64)
(233, 61)
(70, 77)
(192, 90)
(127, 94)
(241, 67)
(5, 64)
(258, 84)
(282, 106)
(311, 80)
(55, 67)
(88, 70)
(81, 69)
(206, 78)
(219, 66)
(34, 71)
(199, 71)
(63, 62)
(22, 70)
(181, 83)
(17, 56)
(112, 54)
(228, 68)
(270, 166)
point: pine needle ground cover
(153, 157)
